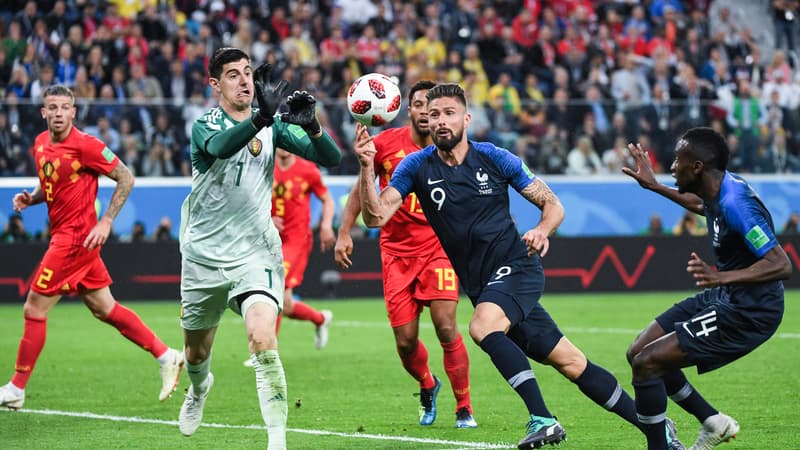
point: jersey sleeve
(511, 166)
(403, 175)
(203, 129)
(294, 139)
(744, 215)
(97, 156)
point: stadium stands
(563, 83)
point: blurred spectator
(784, 13)
(461, 25)
(138, 234)
(27, 18)
(140, 82)
(791, 225)
(46, 78)
(14, 43)
(617, 157)
(552, 157)
(690, 224)
(158, 162)
(14, 231)
(655, 227)
(743, 118)
(164, 231)
(57, 21)
(505, 94)
(131, 154)
(630, 90)
(10, 144)
(583, 159)
(105, 132)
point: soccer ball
(374, 99)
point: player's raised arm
(344, 242)
(539, 193)
(646, 178)
(376, 210)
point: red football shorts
(410, 283)
(295, 260)
(69, 270)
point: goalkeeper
(230, 249)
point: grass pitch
(92, 389)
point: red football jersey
(407, 231)
(291, 197)
(68, 172)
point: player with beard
(416, 272)
(463, 189)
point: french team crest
(255, 146)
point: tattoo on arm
(124, 178)
(539, 194)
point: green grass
(356, 388)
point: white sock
(199, 375)
(271, 387)
(166, 357)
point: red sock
(131, 326)
(302, 311)
(456, 364)
(30, 347)
(278, 324)
(417, 365)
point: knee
(406, 345)
(446, 332)
(633, 350)
(644, 366)
(31, 309)
(478, 330)
(568, 360)
(195, 356)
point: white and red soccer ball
(374, 99)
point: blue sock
(599, 385)
(651, 409)
(683, 393)
(515, 368)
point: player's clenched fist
(22, 200)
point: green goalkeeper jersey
(227, 216)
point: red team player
(68, 162)
(295, 180)
(416, 271)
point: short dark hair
(421, 85)
(447, 90)
(224, 56)
(708, 146)
(60, 90)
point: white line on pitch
(379, 437)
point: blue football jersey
(739, 225)
(467, 206)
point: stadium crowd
(565, 84)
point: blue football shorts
(720, 325)
(516, 287)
